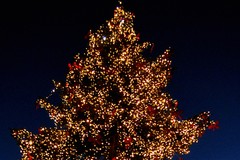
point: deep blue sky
(39, 39)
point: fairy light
(113, 105)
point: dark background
(39, 39)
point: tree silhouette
(113, 104)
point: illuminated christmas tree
(113, 105)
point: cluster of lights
(113, 105)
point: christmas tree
(113, 104)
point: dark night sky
(39, 39)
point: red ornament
(169, 76)
(96, 140)
(40, 131)
(76, 65)
(138, 36)
(67, 84)
(214, 126)
(167, 54)
(87, 35)
(201, 133)
(70, 66)
(127, 141)
(67, 133)
(204, 116)
(70, 97)
(140, 64)
(114, 112)
(177, 114)
(175, 103)
(29, 156)
(151, 110)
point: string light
(113, 104)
